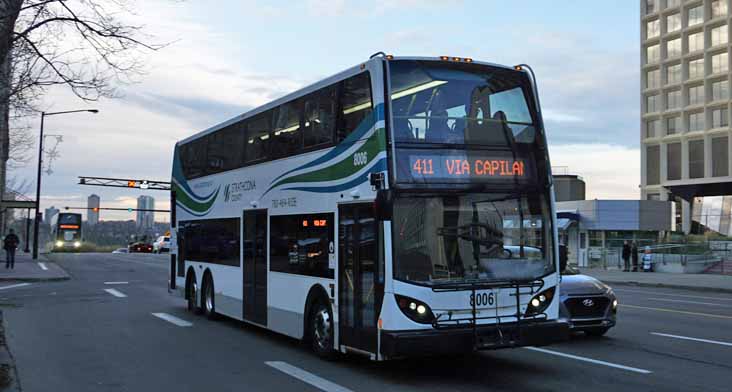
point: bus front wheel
(321, 330)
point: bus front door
(255, 266)
(358, 276)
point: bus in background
(401, 207)
(66, 231)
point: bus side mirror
(384, 205)
(563, 258)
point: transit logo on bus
(233, 192)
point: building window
(653, 128)
(653, 54)
(719, 63)
(696, 158)
(672, 3)
(696, 15)
(651, 6)
(673, 48)
(720, 118)
(696, 122)
(652, 104)
(719, 8)
(673, 74)
(719, 35)
(720, 90)
(673, 125)
(653, 78)
(673, 100)
(595, 238)
(673, 22)
(720, 156)
(653, 29)
(673, 161)
(299, 244)
(653, 196)
(696, 95)
(653, 164)
(696, 42)
(696, 68)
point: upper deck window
(457, 103)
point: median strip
(173, 320)
(116, 293)
(692, 339)
(307, 377)
(590, 360)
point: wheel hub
(322, 328)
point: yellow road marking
(678, 311)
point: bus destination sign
(467, 167)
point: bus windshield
(460, 103)
(472, 237)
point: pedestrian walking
(626, 256)
(10, 245)
(634, 256)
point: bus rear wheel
(192, 294)
(321, 331)
(207, 298)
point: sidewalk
(698, 282)
(29, 270)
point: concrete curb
(53, 279)
(669, 286)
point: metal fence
(713, 257)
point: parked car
(140, 247)
(586, 303)
(121, 250)
(162, 244)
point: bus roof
(313, 87)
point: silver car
(588, 304)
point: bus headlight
(540, 302)
(77, 244)
(415, 310)
(59, 244)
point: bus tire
(321, 330)
(192, 293)
(208, 299)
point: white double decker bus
(401, 207)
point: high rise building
(145, 219)
(685, 129)
(92, 216)
(49, 214)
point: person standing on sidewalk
(626, 256)
(634, 256)
(10, 244)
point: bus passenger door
(359, 287)
(255, 266)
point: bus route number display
(460, 167)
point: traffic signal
(95, 209)
(129, 210)
(131, 183)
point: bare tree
(85, 45)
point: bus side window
(257, 139)
(355, 103)
(320, 117)
(193, 158)
(287, 134)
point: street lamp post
(37, 221)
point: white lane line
(307, 377)
(590, 360)
(676, 311)
(43, 266)
(14, 285)
(652, 292)
(116, 282)
(116, 293)
(172, 319)
(681, 301)
(693, 339)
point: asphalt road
(93, 333)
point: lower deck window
(301, 244)
(210, 240)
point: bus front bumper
(396, 344)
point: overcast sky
(227, 59)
